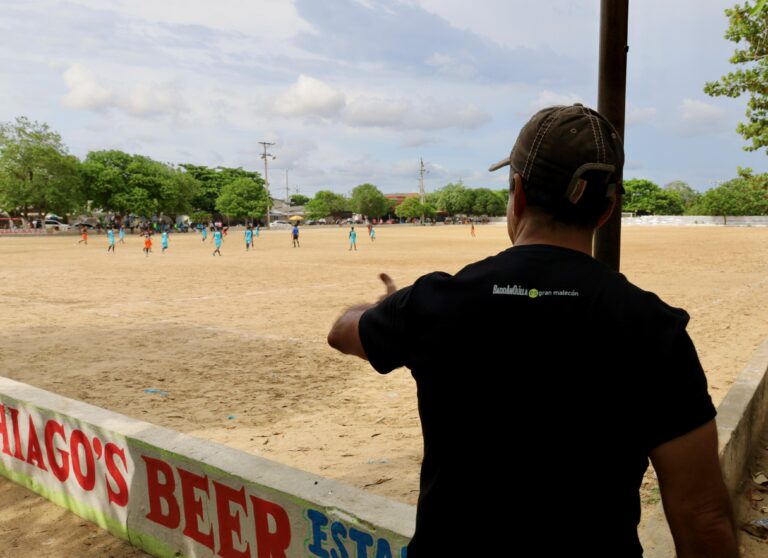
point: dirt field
(238, 342)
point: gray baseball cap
(559, 144)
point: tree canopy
(412, 208)
(748, 28)
(688, 196)
(36, 171)
(299, 199)
(455, 199)
(212, 180)
(745, 195)
(121, 183)
(326, 203)
(368, 200)
(243, 198)
(488, 202)
(644, 197)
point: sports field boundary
(174, 495)
(741, 418)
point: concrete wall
(174, 495)
(693, 220)
(741, 416)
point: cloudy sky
(356, 91)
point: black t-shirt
(544, 380)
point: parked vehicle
(53, 224)
(88, 226)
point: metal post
(611, 96)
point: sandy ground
(243, 335)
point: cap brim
(500, 164)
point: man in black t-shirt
(539, 423)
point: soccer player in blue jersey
(111, 240)
(248, 237)
(217, 241)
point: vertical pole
(611, 98)
(266, 184)
(422, 192)
(264, 156)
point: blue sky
(355, 91)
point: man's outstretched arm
(345, 332)
(695, 499)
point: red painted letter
(230, 522)
(121, 497)
(193, 508)
(16, 434)
(34, 452)
(4, 432)
(271, 544)
(158, 492)
(61, 472)
(88, 479)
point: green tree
(748, 28)
(745, 195)
(299, 199)
(200, 217)
(243, 198)
(122, 183)
(412, 208)
(368, 200)
(327, 203)
(688, 196)
(36, 171)
(455, 199)
(646, 198)
(488, 202)
(212, 180)
(504, 195)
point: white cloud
(433, 115)
(692, 110)
(310, 97)
(549, 98)
(148, 100)
(84, 91)
(313, 98)
(275, 19)
(451, 66)
(141, 99)
(700, 118)
(376, 111)
(639, 115)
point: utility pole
(422, 193)
(611, 97)
(287, 195)
(265, 156)
(422, 172)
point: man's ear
(518, 207)
(608, 210)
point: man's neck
(533, 232)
